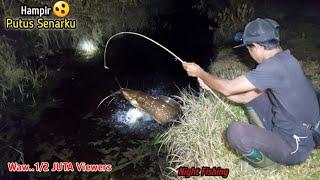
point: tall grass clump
(199, 138)
(228, 65)
(232, 19)
(20, 93)
(19, 82)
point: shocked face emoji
(61, 9)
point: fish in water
(163, 109)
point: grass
(20, 100)
(232, 19)
(19, 81)
(199, 140)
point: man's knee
(235, 133)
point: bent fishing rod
(166, 49)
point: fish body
(162, 109)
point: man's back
(299, 97)
(292, 95)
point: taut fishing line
(155, 42)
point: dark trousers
(245, 137)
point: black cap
(260, 30)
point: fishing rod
(143, 36)
(170, 52)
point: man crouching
(282, 103)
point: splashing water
(132, 117)
(128, 119)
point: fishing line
(174, 55)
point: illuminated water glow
(128, 119)
(87, 47)
(132, 117)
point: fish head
(130, 95)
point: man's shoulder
(279, 60)
(270, 65)
(285, 57)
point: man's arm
(246, 97)
(227, 87)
